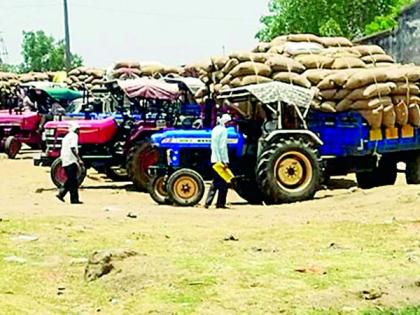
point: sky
(172, 32)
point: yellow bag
(224, 172)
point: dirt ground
(347, 251)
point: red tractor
(120, 147)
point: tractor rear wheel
(140, 158)
(12, 147)
(157, 190)
(412, 170)
(116, 173)
(58, 174)
(185, 188)
(383, 175)
(289, 171)
(248, 189)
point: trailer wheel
(59, 177)
(412, 171)
(12, 147)
(289, 171)
(185, 188)
(157, 190)
(140, 158)
(116, 173)
(248, 189)
(383, 175)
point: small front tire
(59, 177)
(185, 188)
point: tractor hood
(25, 120)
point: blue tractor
(283, 151)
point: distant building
(403, 42)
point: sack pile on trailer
(347, 77)
(125, 70)
(81, 77)
(8, 83)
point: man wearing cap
(70, 161)
(219, 153)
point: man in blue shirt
(219, 153)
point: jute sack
(262, 47)
(328, 107)
(98, 73)
(226, 80)
(202, 92)
(309, 38)
(348, 63)
(244, 56)
(279, 40)
(249, 79)
(292, 78)
(371, 104)
(378, 58)
(171, 70)
(340, 52)
(127, 64)
(408, 73)
(74, 78)
(232, 63)
(278, 50)
(373, 117)
(250, 68)
(379, 89)
(408, 100)
(404, 88)
(217, 76)
(389, 117)
(335, 42)
(341, 94)
(298, 48)
(315, 61)
(75, 72)
(219, 62)
(97, 82)
(364, 77)
(379, 65)
(365, 50)
(282, 63)
(401, 111)
(316, 75)
(121, 71)
(338, 78)
(414, 115)
(328, 94)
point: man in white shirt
(70, 161)
(219, 153)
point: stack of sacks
(90, 77)
(158, 70)
(34, 76)
(124, 70)
(8, 83)
(383, 98)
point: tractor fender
(306, 134)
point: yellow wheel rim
(160, 187)
(185, 187)
(293, 171)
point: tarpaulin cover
(150, 89)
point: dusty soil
(323, 255)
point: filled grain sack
(336, 79)
(340, 52)
(347, 63)
(328, 94)
(262, 47)
(404, 88)
(414, 115)
(373, 90)
(315, 61)
(277, 50)
(316, 75)
(250, 68)
(406, 99)
(373, 117)
(378, 58)
(389, 117)
(292, 78)
(401, 110)
(335, 42)
(366, 50)
(244, 56)
(374, 103)
(232, 63)
(365, 77)
(328, 107)
(282, 63)
(309, 38)
(279, 40)
(249, 79)
(219, 62)
(126, 64)
(299, 48)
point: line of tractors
(153, 133)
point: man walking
(219, 153)
(70, 160)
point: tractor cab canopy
(280, 100)
(58, 94)
(188, 84)
(150, 89)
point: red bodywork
(91, 131)
(23, 126)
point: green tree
(349, 18)
(43, 53)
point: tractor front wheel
(59, 176)
(289, 171)
(157, 190)
(185, 188)
(12, 147)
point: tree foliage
(43, 53)
(349, 18)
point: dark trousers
(218, 185)
(71, 185)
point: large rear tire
(383, 175)
(289, 171)
(248, 189)
(59, 177)
(412, 170)
(12, 147)
(140, 158)
(185, 188)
